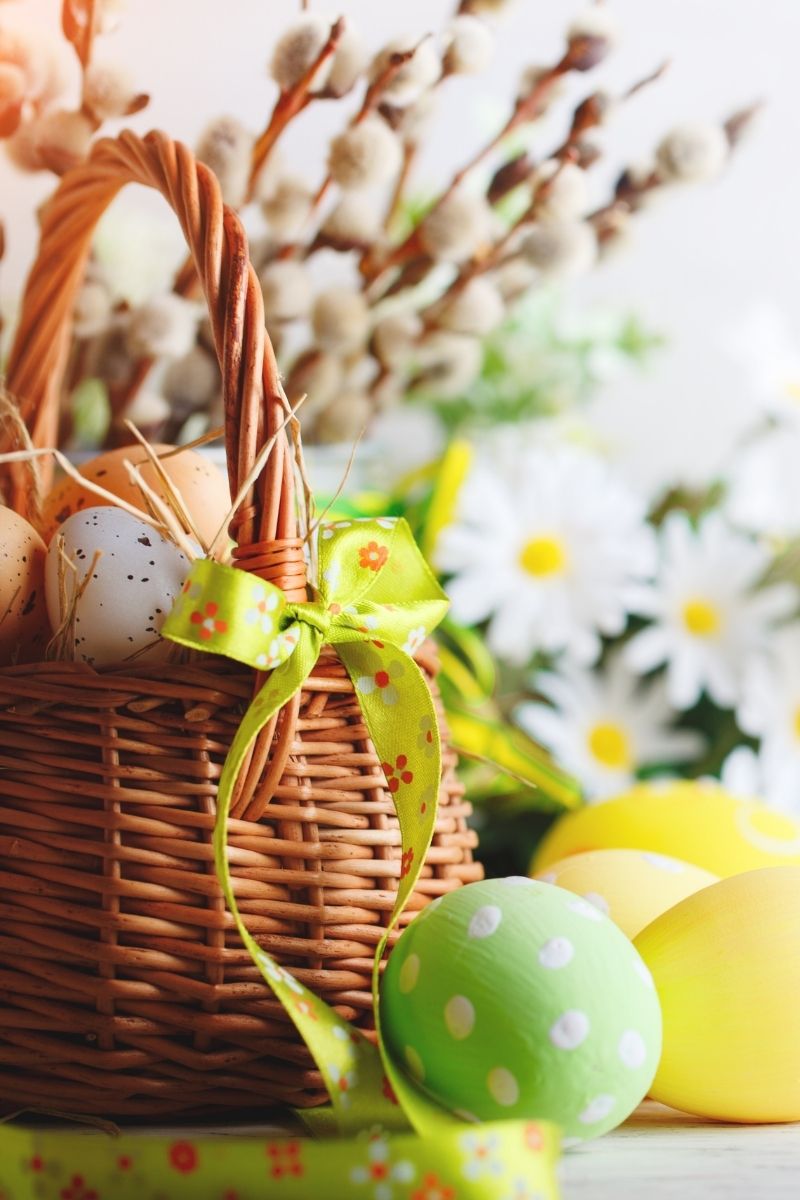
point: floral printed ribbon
(376, 602)
(364, 567)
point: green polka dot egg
(514, 998)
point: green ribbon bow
(377, 601)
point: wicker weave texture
(124, 987)
(124, 990)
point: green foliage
(91, 413)
(535, 365)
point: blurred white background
(701, 261)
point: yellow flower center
(543, 556)
(793, 391)
(701, 617)
(611, 746)
(796, 723)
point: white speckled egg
(132, 589)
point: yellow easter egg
(632, 887)
(200, 482)
(697, 822)
(726, 966)
(24, 629)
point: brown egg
(202, 484)
(24, 629)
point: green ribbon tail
(417, 829)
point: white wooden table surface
(660, 1154)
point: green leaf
(91, 412)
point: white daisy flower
(763, 483)
(770, 710)
(603, 725)
(768, 350)
(546, 546)
(708, 615)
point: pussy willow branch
(290, 102)
(526, 109)
(371, 100)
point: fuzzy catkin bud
(108, 90)
(349, 62)
(164, 327)
(561, 248)
(476, 309)
(297, 49)
(191, 382)
(692, 153)
(514, 278)
(355, 221)
(454, 230)
(413, 77)
(226, 146)
(468, 46)
(93, 310)
(288, 205)
(344, 418)
(589, 39)
(286, 286)
(594, 22)
(449, 362)
(109, 14)
(563, 193)
(394, 338)
(316, 375)
(340, 320)
(364, 155)
(61, 139)
(412, 120)
(148, 411)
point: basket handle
(265, 527)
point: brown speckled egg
(24, 630)
(201, 483)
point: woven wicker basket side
(124, 989)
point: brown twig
(291, 102)
(527, 108)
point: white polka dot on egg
(459, 1017)
(409, 974)
(570, 1030)
(644, 973)
(503, 1086)
(414, 1063)
(485, 921)
(584, 909)
(597, 1109)
(556, 953)
(597, 901)
(663, 863)
(632, 1049)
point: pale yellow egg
(726, 966)
(697, 822)
(200, 482)
(24, 629)
(632, 887)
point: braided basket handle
(265, 527)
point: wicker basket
(123, 989)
